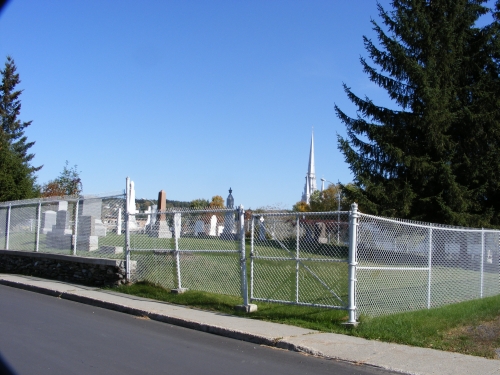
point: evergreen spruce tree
(10, 109)
(16, 179)
(437, 157)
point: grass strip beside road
(471, 327)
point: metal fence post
(177, 231)
(243, 256)
(429, 278)
(127, 229)
(353, 232)
(75, 237)
(38, 216)
(297, 246)
(482, 262)
(7, 228)
(251, 256)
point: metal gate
(300, 258)
(189, 249)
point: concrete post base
(347, 324)
(250, 308)
(179, 290)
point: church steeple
(310, 186)
(230, 199)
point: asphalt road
(40, 334)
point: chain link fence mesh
(4, 211)
(300, 258)
(405, 265)
(295, 258)
(193, 249)
(84, 226)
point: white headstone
(119, 222)
(62, 206)
(131, 202)
(149, 215)
(177, 224)
(213, 226)
(151, 224)
(262, 229)
(132, 223)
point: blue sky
(192, 97)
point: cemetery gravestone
(199, 227)
(90, 225)
(60, 236)
(213, 226)
(119, 222)
(229, 227)
(87, 240)
(151, 222)
(177, 224)
(48, 221)
(160, 229)
(148, 220)
(321, 233)
(262, 229)
(132, 222)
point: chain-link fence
(300, 258)
(84, 226)
(405, 265)
(189, 249)
(342, 260)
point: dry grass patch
(482, 339)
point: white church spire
(310, 186)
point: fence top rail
(186, 211)
(429, 225)
(67, 198)
(295, 213)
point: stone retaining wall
(82, 270)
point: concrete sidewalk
(401, 358)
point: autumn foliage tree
(301, 206)
(217, 202)
(67, 183)
(328, 199)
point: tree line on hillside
(196, 204)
